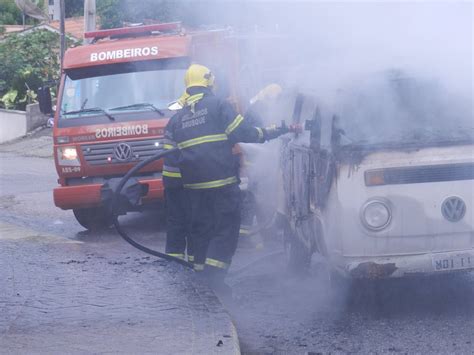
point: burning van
(384, 187)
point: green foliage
(74, 8)
(26, 62)
(110, 13)
(9, 13)
(9, 99)
(113, 13)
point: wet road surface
(274, 311)
(65, 290)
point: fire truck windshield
(126, 92)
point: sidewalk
(61, 296)
(37, 144)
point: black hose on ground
(119, 229)
(158, 254)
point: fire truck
(114, 102)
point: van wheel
(298, 257)
(93, 218)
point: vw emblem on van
(453, 209)
(123, 152)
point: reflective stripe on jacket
(205, 131)
(171, 172)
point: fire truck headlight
(68, 156)
(376, 214)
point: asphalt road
(274, 311)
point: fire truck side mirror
(44, 99)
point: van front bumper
(407, 265)
(87, 196)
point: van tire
(298, 257)
(93, 218)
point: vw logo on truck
(123, 152)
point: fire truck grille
(120, 152)
(419, 174)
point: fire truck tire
(298, 257)
(93, 218)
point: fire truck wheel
(93, 218)
(298, 257)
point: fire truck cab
(113, 106)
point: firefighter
(205, 131)
(178, 211)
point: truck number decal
(68, 169)
(123, 53)
(121, 131)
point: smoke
(345, 57)
(349, 57)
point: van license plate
(452, 261)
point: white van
(385, 187)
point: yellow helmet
(198, 75)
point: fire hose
(117, 225)
(139, 246)
(131, 241)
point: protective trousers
(178, 213)
(215, 224)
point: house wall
(15, 124)
(12, 124)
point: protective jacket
(171, 172)
(205, 131)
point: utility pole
(62, 31)
(89, 18)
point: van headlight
(68, 156)
(376, 214)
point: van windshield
(111, 94)
(403, 111)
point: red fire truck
(113, 105)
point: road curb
(213, 329)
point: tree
(10, 14)
(26, 62)
(110, 13)
(113, 13)
(74, 8)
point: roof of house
(14, 28)
(74, 26)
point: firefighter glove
(273, 132)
